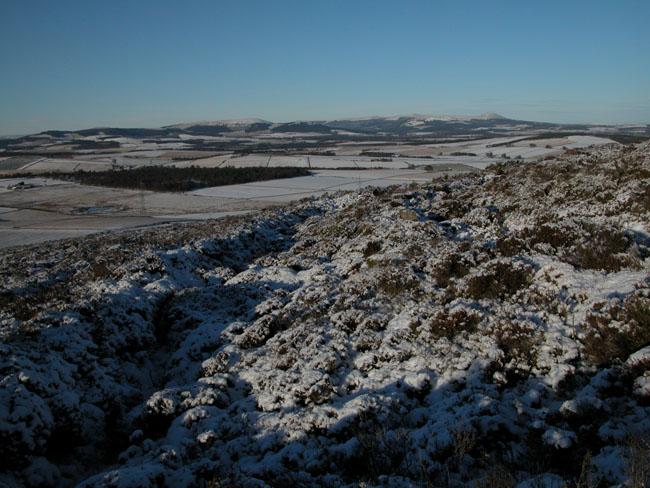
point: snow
(561, 439)
(640, 355)
(352, 162)
(202, 215)
(584, 141)
(5, 183)
(316, 185)
(389, 337)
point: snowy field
(211, 162)
(52, 210)
(15, 237)
(203, 216)
(37, 182)
(319, 183)
(520, 149)
(66, 165)
(20, 227)
(348, 155)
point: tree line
(161, 178)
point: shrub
(261, 331)
(451, 266)
(519, 341)
(29, 304)
(451, 208)
(552, 234)
(617, 331)
(496, 477)
(372, 247)
(499, 280)
(99, 270)
(379, 451)
(393, 282)
(510, 245)
(604, 250)
(583, 244)
(448, 323)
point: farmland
(327, 157)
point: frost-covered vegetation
(491, 330)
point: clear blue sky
(79, 64)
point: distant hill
(399, 125)
(252, 134)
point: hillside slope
(494, 327)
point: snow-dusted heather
(486, 330)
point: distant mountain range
(412, 120)
(485, 125)
(414, 124)
(240, 134)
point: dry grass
(637, 461)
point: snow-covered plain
(51, 164)
(516, 149)
(52, 209)
(134, 152)
(491, 329)
(321, 182)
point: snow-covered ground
(135, 153)
(6, 183)
(51, 164)
(491, 329)
(321, 182)
(50, 209)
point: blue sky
(79, 64)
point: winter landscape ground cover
(490, 329)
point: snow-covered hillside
(488, 330)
